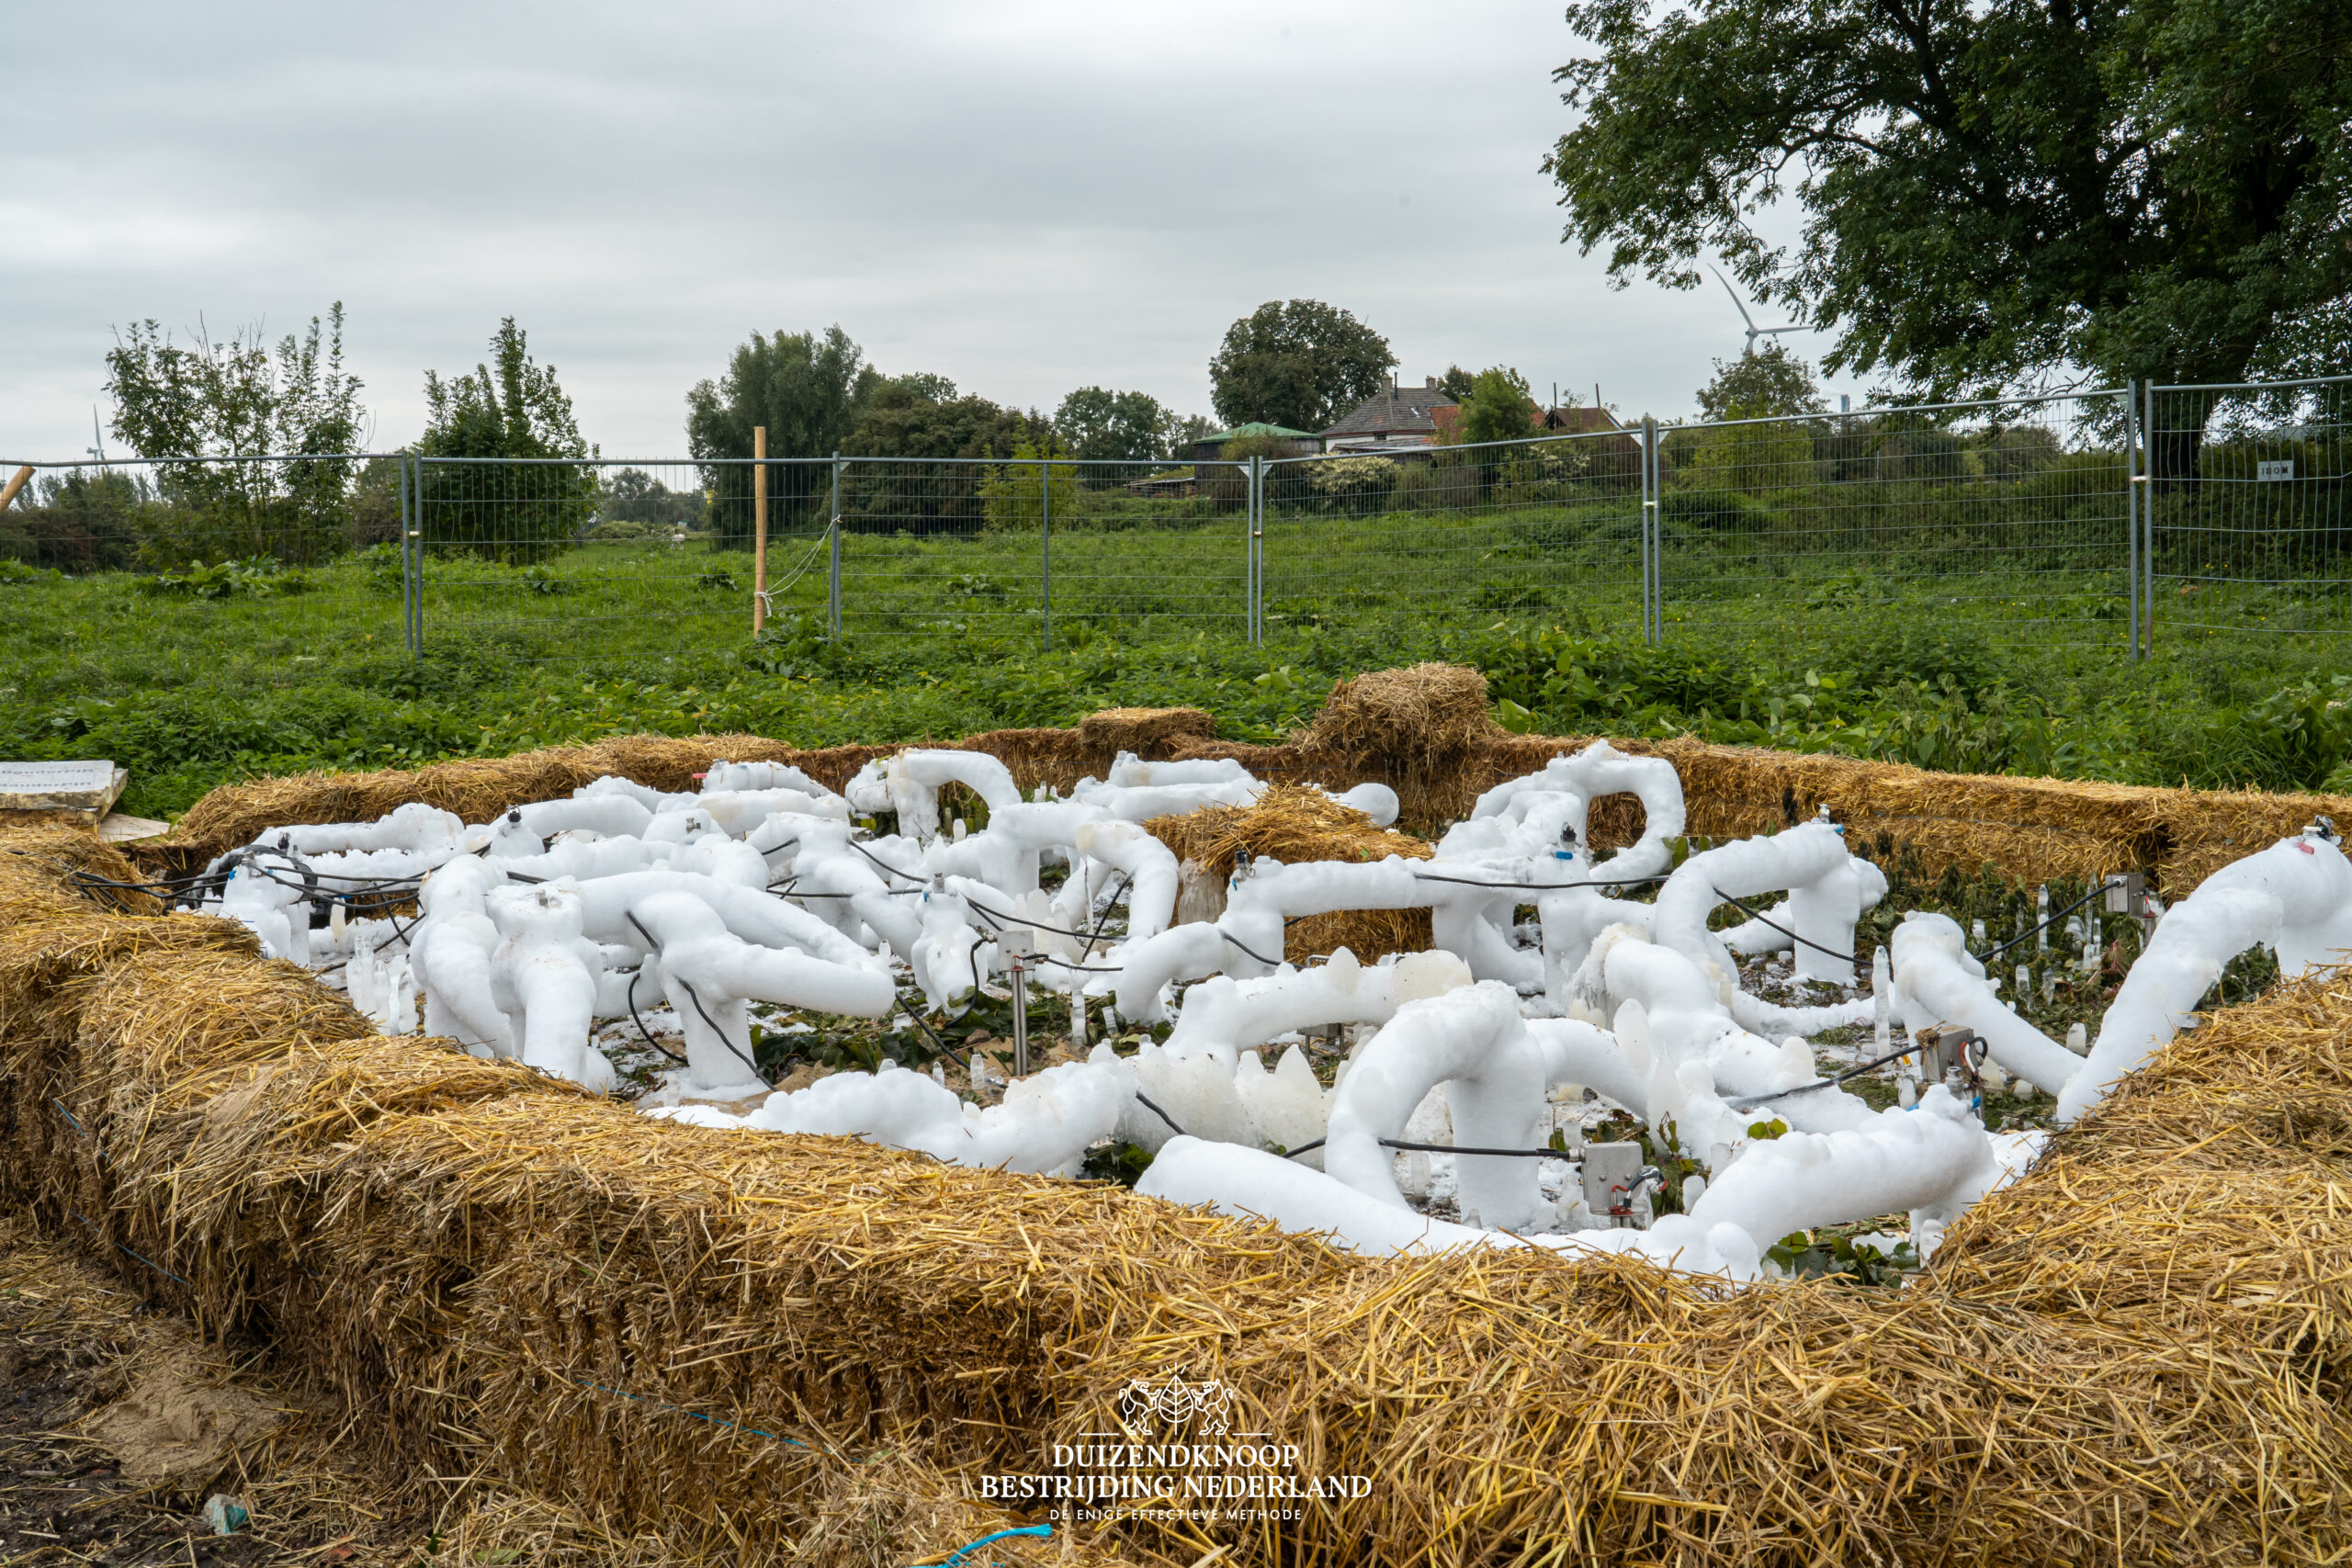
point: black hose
(1784, 930)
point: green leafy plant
(1840, 1256)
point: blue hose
(955, 1557)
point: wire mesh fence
(2109, 518)
(1537, 527)
(2013, 513)
(2249, 520)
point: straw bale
(1147, 732)
(2137, 1353)
(1427, 713)
(1294, 823)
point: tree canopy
(517, 409)
(1991, 192)
(1758, 384)
(1498, 407)
(807, 389)
(239, 398)
(1299, 363)
(1120, 427)
(510, 406)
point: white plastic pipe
(1810, 856)
(1601, 769)
(708, 973)
(2296, 895)
(543, 977)
(415, 826)
(752, 915)
(1937, 980)
(1932, 1158)
(1472, 1041)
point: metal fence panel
(2012, 513)
(1548, 527)
(2105, 518)
(2250, 509)
(1054, 548)
(560, 558)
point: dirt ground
(117, 1424)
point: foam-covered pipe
(1252, 1184)
(723, 777)
(1141, 803)
(750, 914)
(415, 826)
(1045, 1125)
(1811, 856)
(1224, 1017)
(738, 812)
(1148, 864)
(1932, 1157)
(911, 782)
(1936, 980)
(1601, 769)
(708, 974)
(450, 954)
(543, 977)
(2296, 895)
(1472, 1041)
(1189, 951)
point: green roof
(1259, 428)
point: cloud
(1026, 198)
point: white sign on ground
(89, 785)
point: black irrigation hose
(656, 946)
(1437, 1150)
(1748, 1101)
(1784, 930)
(1145, 1100)
(2097, 888)
(633, 979)
(885, 865)
(1126, 879)
(1229, 936)
(1538, 887)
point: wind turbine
(1754, 331)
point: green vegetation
(2148, 187)
(249, 669)
(1299, 363)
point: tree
(1013, 496)
(1299, 363)
(1131, 427)
(936, 496)
(1499, 407)
(1758, 384)
(1993, 193)
(238, 400)
(1455, 383)
(807, 389)
(514, 512)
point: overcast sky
(1026, 198)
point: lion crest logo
(1176, 1403)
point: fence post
(1046, 542)
(1257, 512)
(413, 551)
(834, 564)
(759, 527)
(1653, 614)
(2131, 506)
(2148, 517)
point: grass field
(1953, 655)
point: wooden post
(759, 529)
(16, 483)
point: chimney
(1430, 383)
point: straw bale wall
(2139, 1354)
(1425, 732)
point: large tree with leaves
(1994, 191)
(807, 391)
(1296, 363)
(510, 407)
(233, 400)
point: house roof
(1259, 428)
(1566, 420)
(1400, 409)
